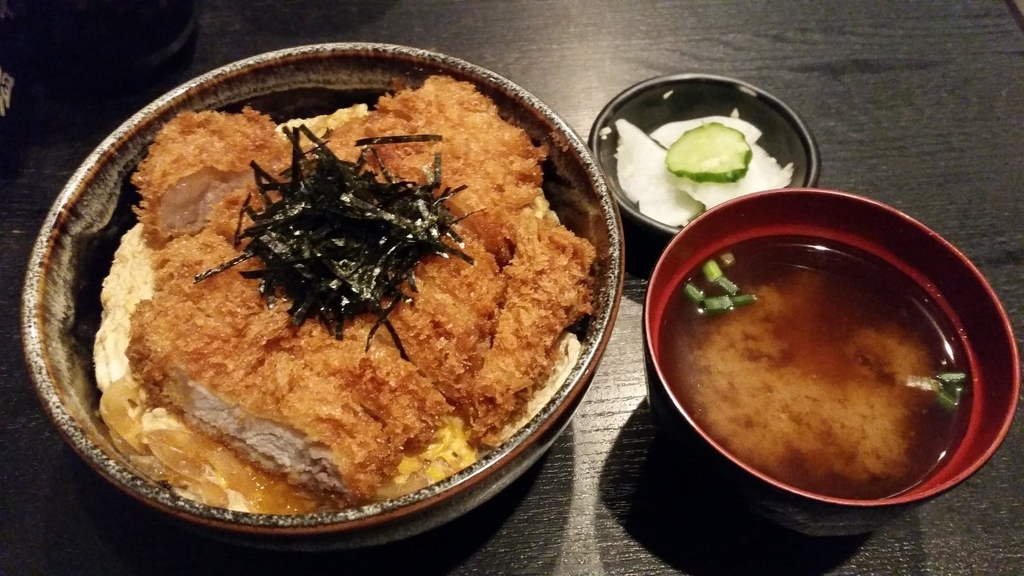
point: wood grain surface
(917, 104)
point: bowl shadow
(141, 539)
(643, 248)
(675, 502)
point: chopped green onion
(947, 400)
(729, 286)
(743, 299)
(956, 379)
(711, 270)
(694, 294)
(947, 386)
(727, 259)
(717, 304)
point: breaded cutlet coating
(448, 325)
(496, 161)
(369, 407)
(546, 267)
(366, 407)
(549, 288)
(174, 329)
(192, 141)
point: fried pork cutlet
(496, 161)
(546, 267)
(196, 160)
(332, 413)
(295, 399)
(548, 289)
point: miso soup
(817, 384)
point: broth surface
(809, 384)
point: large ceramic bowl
(75, 248)
(906, 246)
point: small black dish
(665, 99)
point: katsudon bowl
(73, 253)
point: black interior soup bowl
(658, 101)
(75, 247)
(910, 258)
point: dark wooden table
(920, 105)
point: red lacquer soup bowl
(967, 302)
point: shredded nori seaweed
(337, 240)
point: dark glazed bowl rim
(199, 93)
(613, 106)
(911, 496)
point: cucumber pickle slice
(710, 153)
